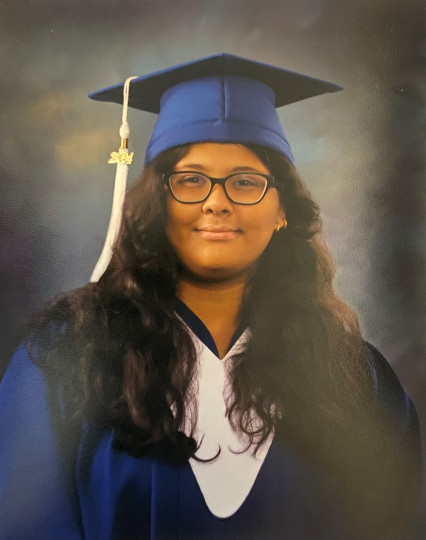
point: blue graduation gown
(67, 484)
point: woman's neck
(217, 305)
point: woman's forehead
(223, 158)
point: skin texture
(218, 241)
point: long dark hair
(123, 358)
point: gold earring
(280, 226)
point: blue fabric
(221, 109)
(35, 501)
(127, 498)
(220, 98)
(122, 497)
(63, 483)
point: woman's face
(217, 239)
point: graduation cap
(220, 98)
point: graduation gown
(60, 483)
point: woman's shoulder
(25, 383)
(22, 383)
(30, 354)
(36, 380)
(390, 391)
(399, 420)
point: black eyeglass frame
(270, 182)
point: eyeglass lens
(242, 188)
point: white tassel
(114, 222)
(122, 158)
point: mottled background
(361, 151)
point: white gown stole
(226, 481)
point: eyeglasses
(191, 187)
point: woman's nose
(217, 202)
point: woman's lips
(217, 233)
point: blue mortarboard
(220, 98)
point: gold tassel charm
(122, 156)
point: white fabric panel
(226, 482)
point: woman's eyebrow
(200, 167)
(186, 166)
(245, 169)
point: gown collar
(197, 326)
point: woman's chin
(216, 274)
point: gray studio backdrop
(360, 151)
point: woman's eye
(192, 180)
(246, 182)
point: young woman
(211, 384)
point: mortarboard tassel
(123, 158)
